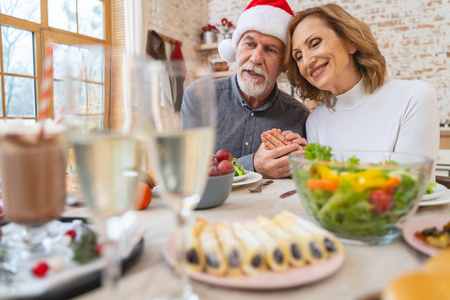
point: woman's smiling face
(324, 58)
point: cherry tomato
(381, 200)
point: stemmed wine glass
(180, 146)
(108, 160)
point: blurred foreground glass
(181, 153)
(365, 202)
(108, 162)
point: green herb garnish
(316, 152)
(84, 249)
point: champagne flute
(108, 162)
(181, 150)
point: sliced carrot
(391, 184)
(144, 196)
(330, 184)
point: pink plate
(414, 226)
(267, 280)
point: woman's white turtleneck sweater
(400, 116)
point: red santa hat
(269, 17)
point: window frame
(43, 34)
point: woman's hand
(275, 138)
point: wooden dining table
(366, 270)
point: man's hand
(274, 163)
(274, 138)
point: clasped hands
(272, 158)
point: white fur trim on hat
(266, 19)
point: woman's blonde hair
(369, 61)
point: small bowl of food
(363, 197)
(220, 181)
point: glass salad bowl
(363, 197)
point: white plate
(440, 189)
(242, 177)
(267, 280)
(252, 178)
(444, 198)
(414, 226)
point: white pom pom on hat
(269, 17)
(227, 51)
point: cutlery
(287, 194)
(258, 188)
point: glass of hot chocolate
(32, 168)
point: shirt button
(246, 143)
(252, 114)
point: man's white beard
(250, 86)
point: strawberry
(98, 249)
(381, 200)
(40, 269)
(72, 233)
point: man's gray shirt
(239, 127)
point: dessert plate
(73, 281)
(414, 226)
(440, 189)
(251, 178)
(267, 280)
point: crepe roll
(294, 250)
(231, 248)
(252, 261)
(331, 244)
(194, 253)
(315, 252)
(274, 253)
(215, 259)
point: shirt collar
(238, 96)
(352, 98)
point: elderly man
(249, 102)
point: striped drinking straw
(46, 82)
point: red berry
(381, 201)
(214, 171)
(72, 233)
(40, 269)
(226, 167)
(214, 163)
(98, 249)
(222, 155)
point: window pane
(90, 66)
(58, 97)
(62, 14)
(29, 10)
(90, 18)
(20, 97)
(60, 55)
(80, 97)
(18, 54)
(95, 98)
(94, 64)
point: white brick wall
(414, 35)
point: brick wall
(414, 36)
(181, 20)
